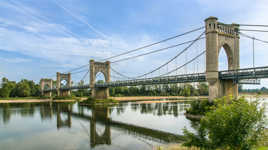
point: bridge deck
(236, 75)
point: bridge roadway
(147, 133)
(236, 75)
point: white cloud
(15, 60)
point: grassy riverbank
(143, 98)
(40, 99)
(115, 99)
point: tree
(23, 89)
(235, 125)
(203, 89)
(7, 87)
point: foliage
(63, 97)
(234, 125)
(24, 88)
(7, 88)
(161, 90)
(81, 92)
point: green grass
(65, 98)
(23, 98)
(262, 148)
(103, 102)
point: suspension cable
(83, 78)
(173, 57)
(252, 30)
(155, 51)
(251, 37)
(253, 25)
(120, 74)
(190, 61)
(149, 45)
(127, 52)
(158, 68)
(78, 68)
(80, 71)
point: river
(70, 126)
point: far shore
(149, 98)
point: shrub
(63, 97)
(234, 125)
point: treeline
(161, 90)
(24, 88)
(262, 90)
(28, 88)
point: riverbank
(149, 98)
(140, 99)
(33, 101)
(253, 95)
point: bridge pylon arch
(61, 91)
(44, 84)
(105, 69)
(220, 35)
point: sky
(41, 37)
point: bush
(234, 125)
(63, 97)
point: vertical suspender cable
(253, 45)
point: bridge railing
(236, 75)
(197, 77)
(246, 73)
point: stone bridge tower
(64, 90)
(220, 35)
(104, 68)
(46, 84)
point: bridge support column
(228, 87)
(46, 84)
(100, 93)
(62, 90)
(96, 67)
(220, 35)
(220, 88)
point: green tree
(235, 125)
(23, 89)
(203, 89)
(7, 87)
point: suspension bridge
(203, 49)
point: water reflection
(161, 109)
(100, 113)
(65, 114)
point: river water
(70, 126)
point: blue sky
(40, 37)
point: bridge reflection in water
(64, 113)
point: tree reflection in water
(161, 109)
